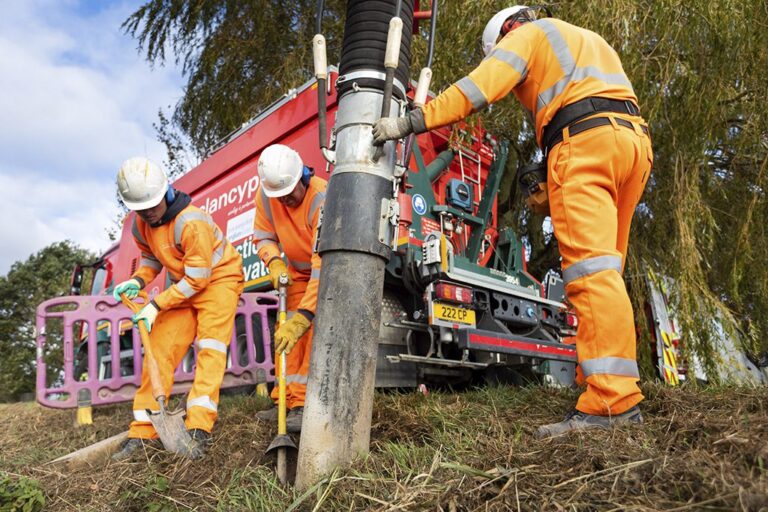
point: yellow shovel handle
(282, 314)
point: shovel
(169, 425)
(282, 442)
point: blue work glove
(130, 288)
(148, 313)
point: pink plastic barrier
(86, 331)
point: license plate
(452, 314)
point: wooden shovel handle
(149, 357)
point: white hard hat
(141, 183)
(493, 27)
(280, 169)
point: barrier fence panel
(89, 343)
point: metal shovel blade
(173, 433)
(283, 445)
(283, 441)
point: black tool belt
(570, 114)
(588, 124)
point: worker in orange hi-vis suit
(599, 157)
(207, 276)
(288, 207)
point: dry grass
(698, 450)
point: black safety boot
(202, 440)
(131, 446)
(268, 415)
(577, 420)
(200, 436)
(293, 420)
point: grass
(700, 449)
(19, 493)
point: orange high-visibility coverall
(595, 180)
(294, 230)
(207, 273)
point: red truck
(474, 311)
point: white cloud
(76, 100)
(38, 211)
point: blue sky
(76, 99)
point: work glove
(130, 288)
(148, 314)
(391, 128)
(288, 334)
(277, 267)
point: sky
(76, 100)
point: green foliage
(42, 276)
(698, 68)
(150, 496)
(20, 494)
(253, 488)
(238, 56)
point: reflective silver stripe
(580, 74)
(211, 344)
(178, 229)
(610, 78)
(315, 274)
(298, 379)
(568, 64)
(267, 208)
(264, 243)
(217, 233)
(473, 93)
(558, 44)
(136, 234)
(197, 272)
(182, 220)
(141, 415)
(512, 59)
(564, 58)
(610, 366)
(264, 235)
(300, 265)
(317, 201)
(185, 288)
(217, 255)
(591, 266)
(202, 401)
(150, 261)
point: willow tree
(41, 276)
(698, 68)
(237, 56)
